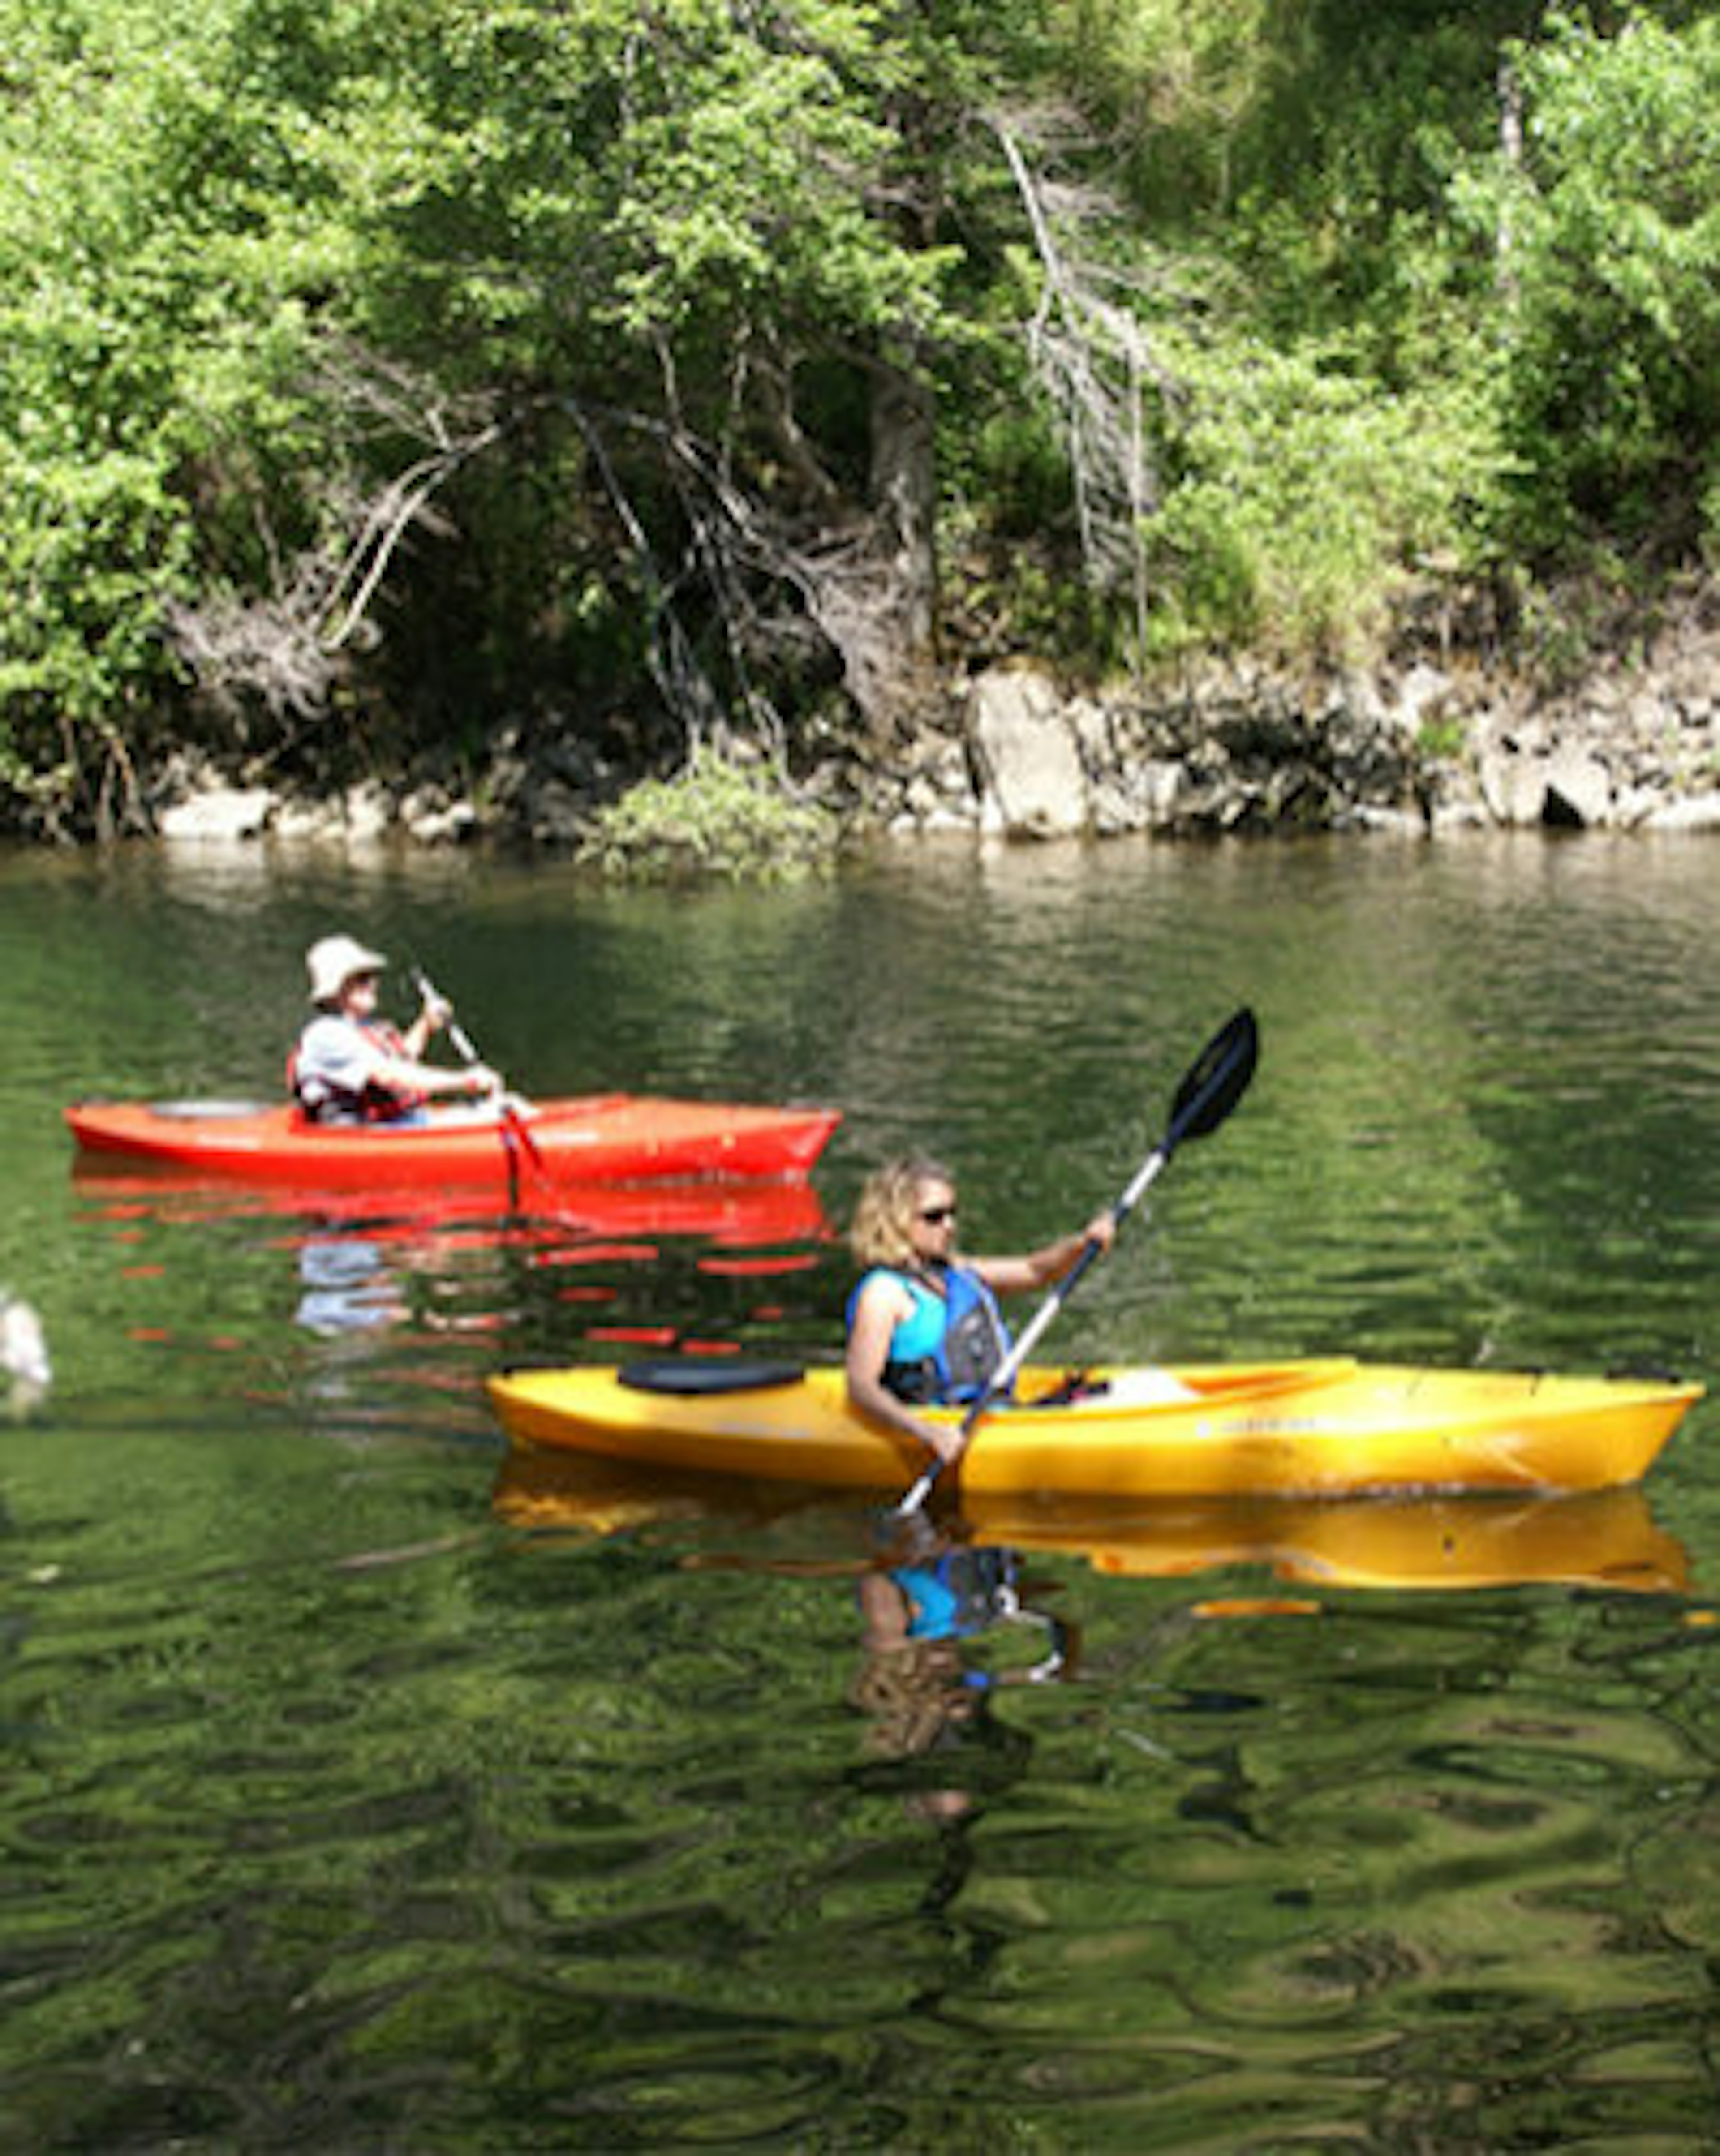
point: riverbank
(1436, 739)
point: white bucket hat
(333, 962)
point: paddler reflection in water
(350, 1066)
(923, 1323)
(924, 1696)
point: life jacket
(973, 1343)
(325, 1102)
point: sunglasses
(934, 1216)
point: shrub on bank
(717, 818)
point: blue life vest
(943, 1354)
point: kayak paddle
(513, 1123)
(1210, 1089)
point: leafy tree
(1609, 229)
(377, 367)
(649, 305)
(150, 392)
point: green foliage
(264, 263)
(1177, 79)
(1303, 498)
(256, 256)
(1609, 239)
(1441, 740)
(1020, 470)
(718, 819)
(149, 338)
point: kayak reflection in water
(924, 1692)
(923, 1324)
(350, 1066)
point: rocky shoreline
(1434, 744)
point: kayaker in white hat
(351, 1066)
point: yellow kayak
(1328, 1428)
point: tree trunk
(874, 595)
(904, 490)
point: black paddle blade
(1217, 1079)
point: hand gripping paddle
(514, 1127)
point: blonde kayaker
(923, 1323)
(350, 1066)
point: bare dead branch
(1095, 362)
(682, 682)
(286, 650)
(401, 503)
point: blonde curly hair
(882, 1231)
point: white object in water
(24, 1348)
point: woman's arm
(1042, 1267)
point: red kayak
(602, 1137)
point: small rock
(1698, 812)
(221, 815)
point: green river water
(364, 1792)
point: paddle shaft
(428, 993)
(1212, 1087)
(1010, 1369)
(513, 1123)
